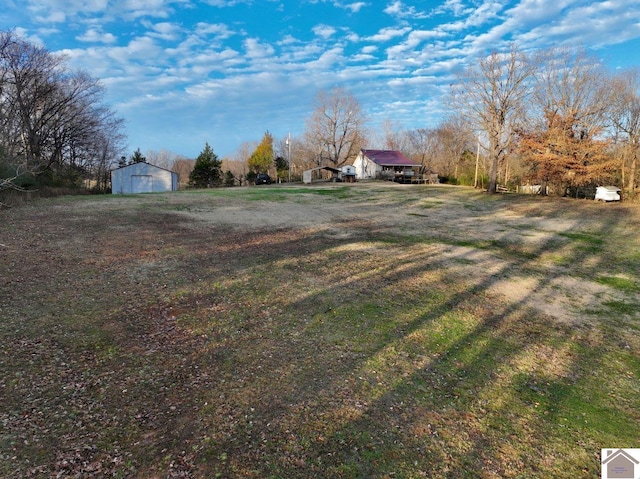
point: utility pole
(289, 154)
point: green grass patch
(584, 238)
(623, 307)
(621, 284)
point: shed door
(141, 184)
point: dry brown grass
(361, 331)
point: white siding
(348, 170)
(365, 168)
(141, 183)
(142, 178)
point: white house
(384, 164)
(143, 178)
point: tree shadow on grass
(329, 410)
(295, 353)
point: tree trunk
(493, 171)
(632, 175)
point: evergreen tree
(207, 170)
(229, 179)
(137, 157)
(282, 167)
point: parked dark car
(263, 179)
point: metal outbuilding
(143, 178)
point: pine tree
(137, 157)
(207, 170)
(282, 167)
(229, 179)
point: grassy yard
(331, 331)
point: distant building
(143, 178)
(385, 165)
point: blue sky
(182, 72)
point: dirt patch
(532, 228)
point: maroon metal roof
(389, 158)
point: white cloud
(256, 50)
(387, 34)
(71, 8)
(354, 7)
(537, 23)
(408, 48)
(303, 52)
(199, 65)
(164, 30)
(478, 17)
(24, 34)
(223, 63)
(96, 36)
(288, 40)
(57, 11)
(225, 3)
(399, 10)
(327, 62)
(219, 31)
(324, 31)
(454, 7)
(52, 17)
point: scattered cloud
(257, 50)
(399, 9)
(387, 34)
(96, 36)
(226, 3)
(163, 60)
(324, 31)
(457, 8)
(354, 7)
(163, 30)
(52, 17)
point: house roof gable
(620, 453)
(388, 158)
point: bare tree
(237, 163)
(395, 138)
(453, 138)
(625, 117)
(335, 130)
(184, 167)
(52, 121)
(491, 97)
(422, 145)
(163, 158)
(571, 104)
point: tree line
(54, 126)
(555, 118)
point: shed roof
(328, 168)
(143, 163)
(389, 158)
